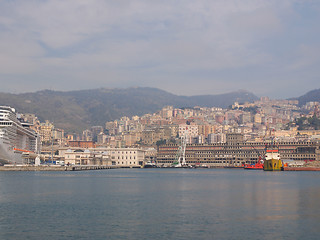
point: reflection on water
(160, 204)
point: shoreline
(53, 168)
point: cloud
(305, 57)
(18, 54)
(217, 45)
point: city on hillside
(281, 120)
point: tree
(160, 142)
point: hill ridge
(77, 110)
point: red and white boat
(256, 166)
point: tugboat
(258, 166)
(272, 160)
(150, 164)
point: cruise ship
(16, 137)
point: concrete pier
(53, 168)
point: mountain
(222, 100)
(77, 110)
(312, 96)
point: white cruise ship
(16, 137)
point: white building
(124, 157)
(78, 156)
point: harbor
(21, 150)
(213, 203)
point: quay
(12, 167)
(301, 168)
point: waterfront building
(124, 157)
(236, 152)
(84, 157)
(120, 157)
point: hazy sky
(187, 47)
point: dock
(301, 168)
(54, 167)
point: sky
(186, 47)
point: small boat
(256, 166)
(177, 164)
(150, 164)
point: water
(160, 204)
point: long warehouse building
(236, 152)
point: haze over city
(270, 48)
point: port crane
(181, 153)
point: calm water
(160, 204)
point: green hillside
(77, 110)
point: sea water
(160, 204)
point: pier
(54, 167)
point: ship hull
(273, 165)
(258, 166)
(253, 167)
(149, 166)
(9, 155)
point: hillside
(77, 110)
(311, 96)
